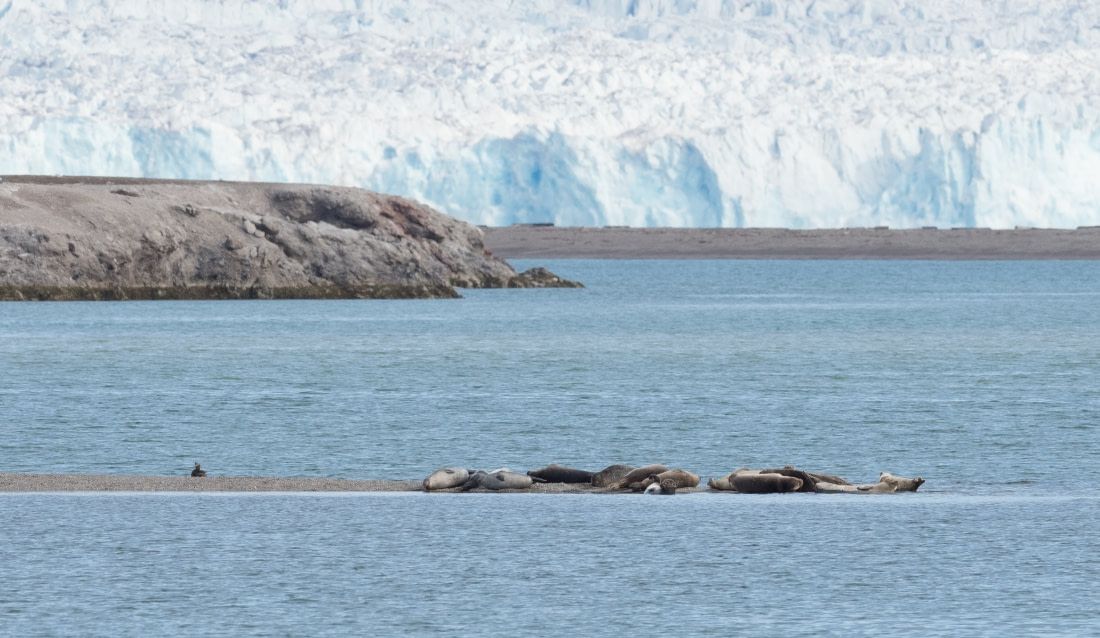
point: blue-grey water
(983, 377)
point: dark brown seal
(198, 472)
(765, 483)
(828, 478)
(555, 473)
(808, 481)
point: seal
(198, 472)
(681, 478)
(724, 484)
(765, 483)
(825, 487)
(828, 478)
(721, 484)
(446, 478)
(900, 483)
(499, 480)
(636, 476)
(881, 487)
(808, 481)
(610, 475)
(555, 473)
(665, 486)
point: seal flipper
(535, 479)
(473, 481)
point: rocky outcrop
(540, 278)
(104, 238)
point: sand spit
(12, 482)
(548, 242)
(18, 482)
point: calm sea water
(984, 378)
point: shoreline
(960, 244)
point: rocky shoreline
(95, 238)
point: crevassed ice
(794, 113)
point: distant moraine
(556, 242)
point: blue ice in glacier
(793, 113)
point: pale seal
(555, 473)
(446, 478)
(882, 487)
(901, 483)
(610, 475)
(665, 486)
(721, 484)
(824, 487)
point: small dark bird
(198, 471)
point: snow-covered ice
(794, 113)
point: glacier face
(793, 113)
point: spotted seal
(682, 478)
(499, 480)
(664, 486)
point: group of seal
(791, 479)
(467, 479)
(660, 479)
(614, 477)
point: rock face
(104, 238)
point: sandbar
(26, 482)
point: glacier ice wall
(793, 113)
